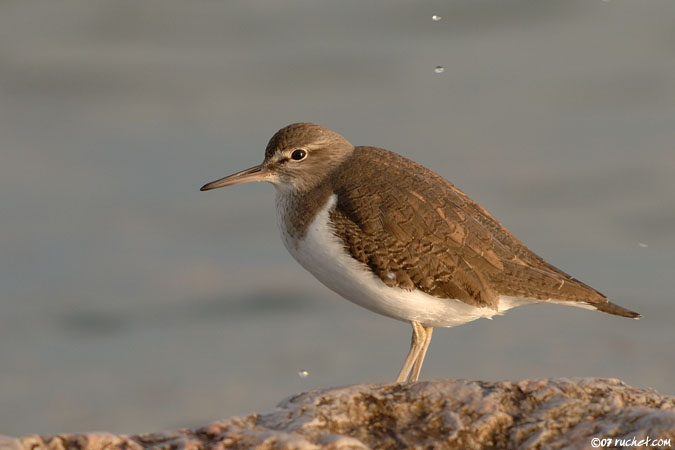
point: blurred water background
(131, 302)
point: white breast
(322, 253)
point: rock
(547, 413)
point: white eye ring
(298, 154)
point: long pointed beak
(257, 173)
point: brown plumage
(400, 217)
(443, 259)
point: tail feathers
(611, 308)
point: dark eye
(298, 155)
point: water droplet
(643, 245)
(436, 18)
(303, 373)
(391, 275)
(439, 69)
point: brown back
(414, 229)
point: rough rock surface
(547, 413)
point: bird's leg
(417, 367)
(416, 343)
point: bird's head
(297, 158)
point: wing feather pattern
(415, 230)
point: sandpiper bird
(398, 239)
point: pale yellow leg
(416, 344)
(417, 367)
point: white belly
(322, 253)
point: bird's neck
(297, 209)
